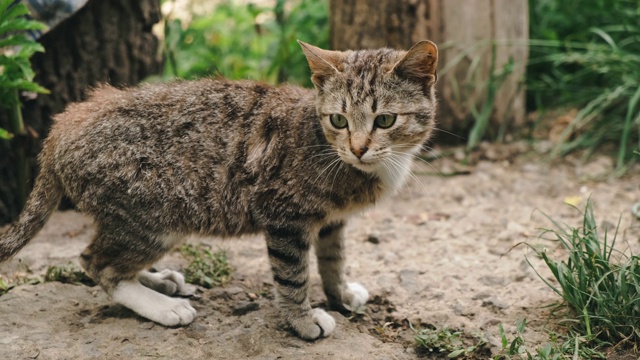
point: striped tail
(44, 198)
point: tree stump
(106, 41)
(459, 27)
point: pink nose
(359, 151)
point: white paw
(180, 312)
(168, 282)
(358, 295)
(153, 305)
(317, 324)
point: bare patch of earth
(441, 253)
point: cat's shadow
(115, 311)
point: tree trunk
(106, 41)
(458, 27)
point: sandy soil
(440, 253)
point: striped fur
(158, 162)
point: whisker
(421, 159)
(336, 174)
(450, 133)
(407, 168)
(336, 160)
(312, 146)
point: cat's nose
(359, 151)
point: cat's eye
(385, 121)
(338, 121)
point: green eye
(385, 121)
(338, 121)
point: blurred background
(561, 75)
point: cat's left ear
(323, 63)
(419, 63)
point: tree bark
(457, 26)
(107, 41)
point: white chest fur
(394, 172)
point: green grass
(206, 268)
(559, 347)
(586, 54)
(599, 285)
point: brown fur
(216, 157)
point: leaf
(5, 135)
(503, 336)
(9, 12)
(21, 25)
(15, 40)
(455, 354)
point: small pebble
(374, 239)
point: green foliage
(5, 286)
(69, 273)
(599, 285)
(206, 268)
(444, 340)
(556, 349)
(585, 53)
(247, 41)
(4, 134)
(15, 50)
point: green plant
(444, 340)
(246, 41)
(585, 54)
(69, 273)
(16, 75)
(516, 349)
(206, 268)
(5, 286)
(598, 284)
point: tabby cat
(156, 163)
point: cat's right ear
(419, 63)
(323, 63)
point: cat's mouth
(364, 165)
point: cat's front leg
(330, 252)
(288, 249)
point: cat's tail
(44, 198)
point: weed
(69, 273)
(206, 268)
(571, 347)
(444, 340)
(5, 286)
(599, 285)
(604, 295)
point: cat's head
(377, 107)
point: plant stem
(17, 127)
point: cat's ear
(323, 63)
(419, 63)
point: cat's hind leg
(330, 252)
(289, 256)
(167, 282)
(116, 258)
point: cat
(156, 163)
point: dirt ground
(440, 253)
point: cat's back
(168, 116)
